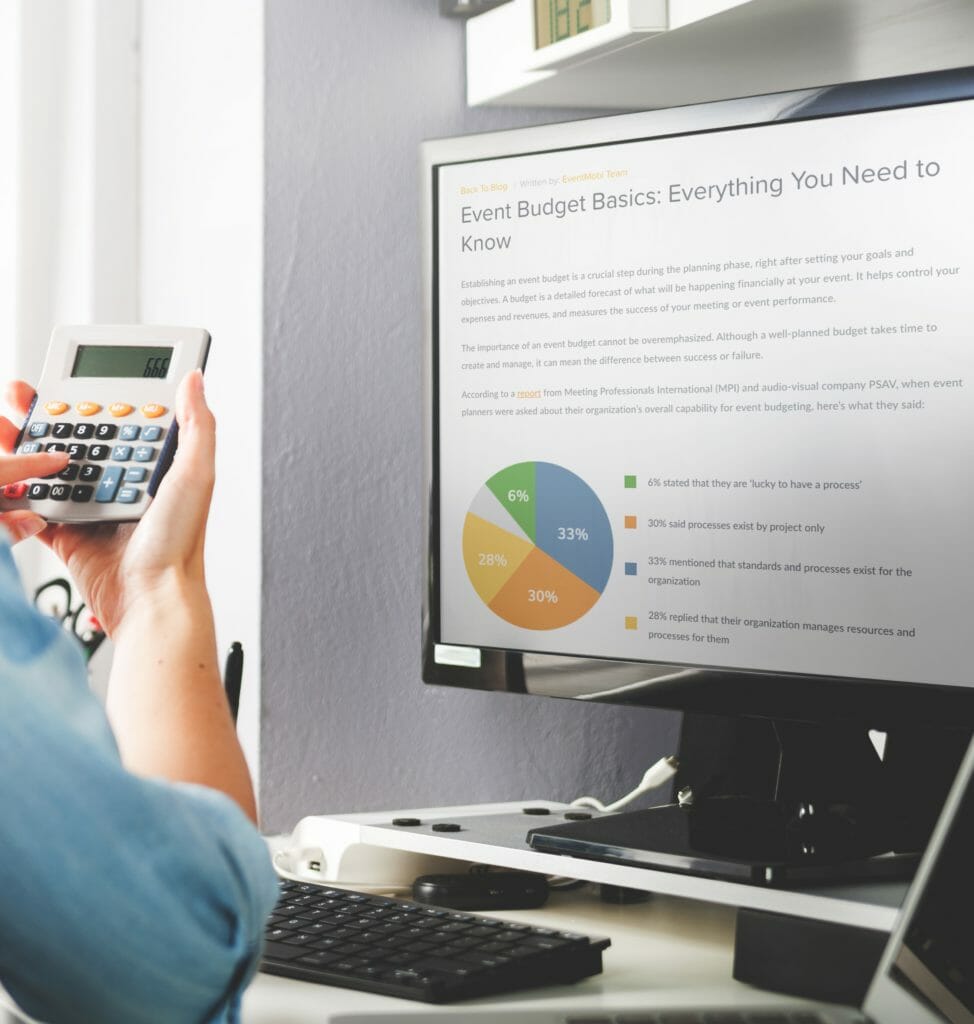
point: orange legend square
(631, 622)
(629, 522)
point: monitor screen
(700, 400)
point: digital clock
(555, 20)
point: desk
(668, 952)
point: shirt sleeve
(121, 898)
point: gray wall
(351, 89)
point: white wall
(200, 263)
(351, 91)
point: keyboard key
(121, 453)
(135, 475)
(90, 472)
(87, 408)
(70, 471)
(56, 408)
(121, 409)
(144, 453)
(55, 446)
(30, 448)
(60, 492)
(98, 452)
(63, 431)
(38, 492)
(129, 496)
(76, 452)
(130, 432)
(39, 429)
(153, 411)
(280, 951)
(151, 433)
(84, 431)
(82, 492)
(106, 431)
(108, 487)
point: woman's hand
(117, 565)
(14, 469)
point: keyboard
(401, 948)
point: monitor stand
(778, 802)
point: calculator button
(121, 409)
(39, 429)
(77, 451)
(82, 492)
(84, 431)
(135, 475)
(106, 431)
(144, 453)
(56, 408)
(62, 430)
(151, 433)
(69, 472)
(129, 495)
(121, 453)
(15, 490)
(30, 447)
(109, 484)
(60, 492)
(98, 452)
(55, 446)
(130, 432)
(38, 492)
(89, 472)
(87, 408)
(153, 411)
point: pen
(232, 674)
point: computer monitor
(700, 436)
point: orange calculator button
(152, 411)
(87, 408)
(120, 408)
(56, 408)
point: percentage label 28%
(491, 558)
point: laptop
(925, 976)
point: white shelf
(367, 848)
(655, 54)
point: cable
(656, 776)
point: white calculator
(106, 397)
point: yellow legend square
(632, 622)
(629, 522)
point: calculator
(106, 397)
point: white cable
(660, 773)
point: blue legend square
(631, 568)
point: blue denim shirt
(122, 899)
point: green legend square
(630, 481)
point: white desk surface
(667, 952)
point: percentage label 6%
(519, 495)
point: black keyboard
(400, 948)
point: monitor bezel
(878, 704)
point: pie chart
(537, 545)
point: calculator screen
(121, 361)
